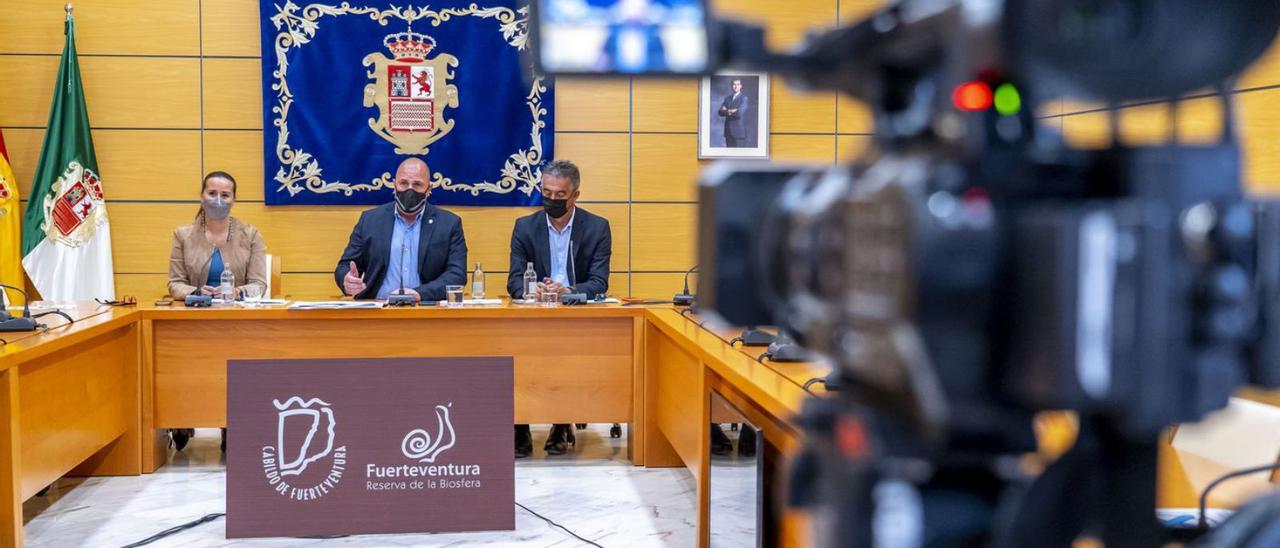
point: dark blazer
(733, 126)
(442, 251)
(592, 247)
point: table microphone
(198, 301)
(754, 336)
(785, 349)
(10, 323)
(685, 298)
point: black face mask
(555, 208)
(410, 201)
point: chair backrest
(275, 287)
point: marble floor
(593, 491)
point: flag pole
(66, 246)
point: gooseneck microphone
(573, 277)
(10, 323)
(572, 298)
(400, 298)
(685, 298)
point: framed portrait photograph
(733, 115)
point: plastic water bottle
(477, 283)
(530, 285)
(225, 289)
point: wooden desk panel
(676, 408)
(75, 402)
(775, 387)
(684, 364)
(71, 399)
(567, 369)
(10, 462)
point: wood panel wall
(173, 92)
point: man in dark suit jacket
(407, 244)
(732, 109)
(546, 239)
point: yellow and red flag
(10, 229)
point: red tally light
(976, 195)
(972, 96)
(851, 439)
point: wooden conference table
(94, 397)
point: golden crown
(409, 46)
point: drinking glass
(549, 298)
(453, 294)
(252, 295)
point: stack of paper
(476, 302)
(271, 302)
(334, 305)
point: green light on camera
(1008, 101)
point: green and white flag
(66, 239)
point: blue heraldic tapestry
(352, 89)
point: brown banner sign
(347, 446)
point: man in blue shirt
(570, 249)
(407, 246)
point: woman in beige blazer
(202, 249)
(213, 241)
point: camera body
(1135, 286)
(1131, 282)
(971, 269)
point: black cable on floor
(544, 518)
(210, 517)
(175, 530)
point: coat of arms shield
(411, 106)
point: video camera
(971, 270)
